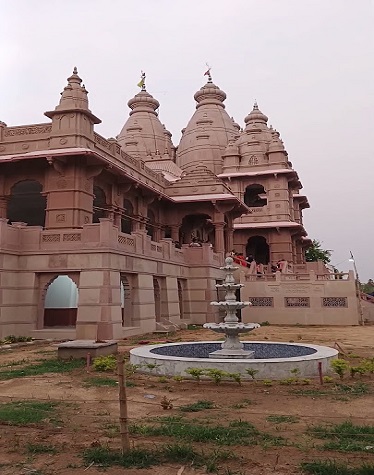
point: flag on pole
(141, 83)
(207, 72)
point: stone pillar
(219, 237)
(230, 239)
(144, 303)
(172, 299)
(157, 233)
(174, 232)
(139, 224)
(99, 307)
(3, 206)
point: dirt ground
(88, 416)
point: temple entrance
(126, 220)
(126, 302)
(61, 303)
(27, 204)
(99, 204)
(199, 227)
(259, 249)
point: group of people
(249, 260)
(196, 243)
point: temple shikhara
(111, 237)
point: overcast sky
(308, 63)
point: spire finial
(141, 83)
(207, 73)
(75, 70)
(255, 105)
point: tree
(315, 253)
(368, 288)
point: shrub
(105, 363)
(328, 379)
(196, 373)
(340, 367)
(15, 339)
(197, 406)
(237, 377)
(216, 374)
(251, 372)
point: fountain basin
(272, 360)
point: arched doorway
(126, 220)
(126, 302)
(27, 204)
(157, 298)
(61, 303)
(198, 226)
(255, 196)
(259, 249)
(99, 204)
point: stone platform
(77, 349)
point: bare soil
(88, 416)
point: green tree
(315, 253)
(368, 288)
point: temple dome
(143, 135)
(208, 132)
(256, 116)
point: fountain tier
(232, 347)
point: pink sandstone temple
(106, 238)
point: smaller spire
(255, 105)
(74, 97)
(141, 83)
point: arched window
(126, 220)
(27, 204)
(99, 204)
(255, 196)
(151, 223)
(61, 302)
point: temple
(106, 238)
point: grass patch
(40, 449)
(236, 433)
(99, 382)
(279, 419)
(345, 437)
(26, 412)
(42, 367)
(356, 389)
(329, 467)
(144, 458)
(197, 406)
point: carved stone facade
(118, 216)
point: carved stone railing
(23, 239)
(22, 130)
(114, 149)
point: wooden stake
(123, 418)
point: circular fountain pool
(271, 360)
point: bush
(105, 363)
(340, 367)
(15, 339)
